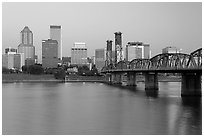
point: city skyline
(158, 24)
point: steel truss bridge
(163, 63)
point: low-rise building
(171, 50)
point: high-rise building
(137, 50)
(118, 47)
(55, 34)
(49, 53)
(100, 57)
(79, 54)
(171, 50)
(26, 47)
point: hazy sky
(159, 24)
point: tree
(83, 70)
(94, 70)
(35, 69)
(60, 74)
(5, 70)
(25, 69)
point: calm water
(95, 108)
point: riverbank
(7, 78)
(139, 78)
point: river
(97, 108)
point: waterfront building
(5, 60)
(17, 61)
(79, 54)
(100, 57)
(137, 50)
(171, 50)
(55, 34)
(49, 53)
(26, 47)
(11, 59)
(29, 62)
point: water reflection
(152, 93)
(95, 108)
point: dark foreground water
(95, 108)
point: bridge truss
(167, 61)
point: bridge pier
(191, 84)
(108, 78)
(116, 78)
(151, 81)
(131, 79)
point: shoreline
(70, 81)
(26, 78)
(30, 81)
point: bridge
(188, 65)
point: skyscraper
(49, 53)
(79, 54)
(26, 46)
(55, 34)
(100, 57)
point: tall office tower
(26, 47)
(118, 47)
(79, 54)
(100, 55)
(109, 52)
(171, 50)
(49, 53)
(137, 50)
(55, 34)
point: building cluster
(52, 52)
(133, 50)
(25, 55)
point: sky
(158, 24)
